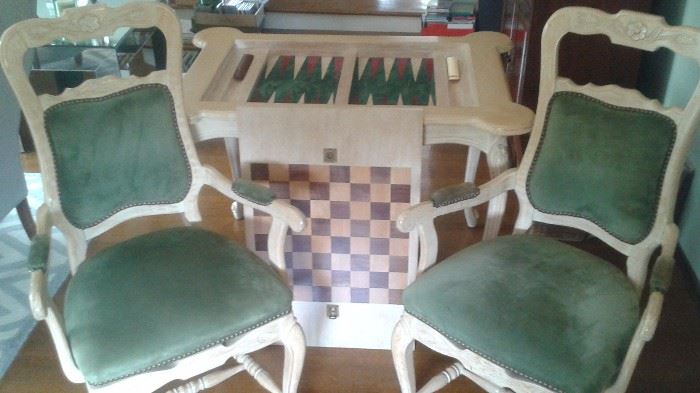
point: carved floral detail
(637, 30)
(650, 29)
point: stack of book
(449, 17)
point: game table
(337, 125)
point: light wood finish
(474, 110)
(582, 59)
(626, 28)
(98, 21)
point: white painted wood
(627, 28)
(359, 325)
(88, 22)
(363, 137)
(473, 156)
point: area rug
(16, 321)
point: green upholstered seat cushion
(165, 295)
(117, 151)
(601, 162)
(546, 310)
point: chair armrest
(284, 216)
(450, 199)
(454, 198)
(37, 262)
(40, 301)
(39, 253)
(265, 200)
(659, 282)
(661, 274)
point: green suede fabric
(455, 193)
(39, 253)
(163, 296)
(546, 310)
(117, 151)
(253, 192)
(603, 163)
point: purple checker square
(261, 242)
(321, 294)
(401, 193)
(340, 278)
(301, 243)
(298, 172)
(281, 189)
(359, 262)
(378, 279)
(359, 192)
(319, 191)
(379, 246)
(302, 277)
(340, 209)
(340, 245)
(320, 226)
(321, 261)
(398, 264)
(304, 206)
(359, 295)
(396, 234)
(380, 210)
(259, 171)
(380, 175)
(340, 174)
(359, 228)
(395, 296)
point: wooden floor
(670, 363)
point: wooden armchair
(169, 305)
(525, 313)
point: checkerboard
(351, 250)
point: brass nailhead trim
(177, 134)
(591, 219)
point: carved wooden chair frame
(627, 28)
(98, 21)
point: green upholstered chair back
(601, 162)
(606, 159)
(117, 151)
(112, 148)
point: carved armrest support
(659, 283)
(263, 199)
(284, 216)
(455, 198)
(450, 199)
(37, 263)
(41, 303)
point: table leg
(234, 161)
(498, 162)
(470, 177)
